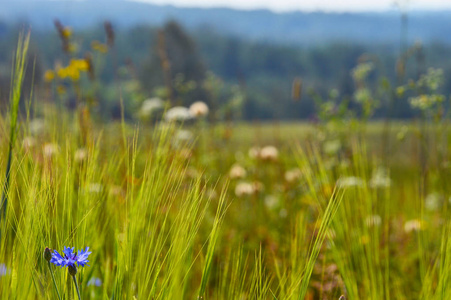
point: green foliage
(263, 80)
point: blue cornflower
(4, 270)
(70, 258)
(95, 281)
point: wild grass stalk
(213, 240)
(326, 220)
(18, 76)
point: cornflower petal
(57, 259)
(82, 257)
(68, 251)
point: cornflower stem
(53, 279)
(76, 286)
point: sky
(309, 5)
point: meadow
(178, 207)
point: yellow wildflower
(66, 32)
(97, 46)
(73, 73)
(62, 73)
(49, 75)
(80, 64)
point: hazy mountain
(290, 28)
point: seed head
(47, 254)
(296, 89)
(109, 33)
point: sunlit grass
(230, 211)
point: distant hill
(288, 28)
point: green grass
(165, 219)
(16, 90)
(165, 227)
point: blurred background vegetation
(245, 74)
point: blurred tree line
(240, 79)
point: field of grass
(346, 209)
(320, 217)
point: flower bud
(47, 254)
(72, 270)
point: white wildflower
(178, 113)
(332, 147)
(95, 188)
(247, 189)
(116, 190)
(81, 155)
(374, 220)
(413, 225)
(283, 213)
(269, 153)
(28, 142)
(36, 126)
(380, 179)
(237, 172)
(150, 106)
(293, 175)
(254, 152)
(50, 150)
(198, 109)
(183, 135)
(271, 201)
(244, 189)
(211, 194)
(432, 202)
(350, 181)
